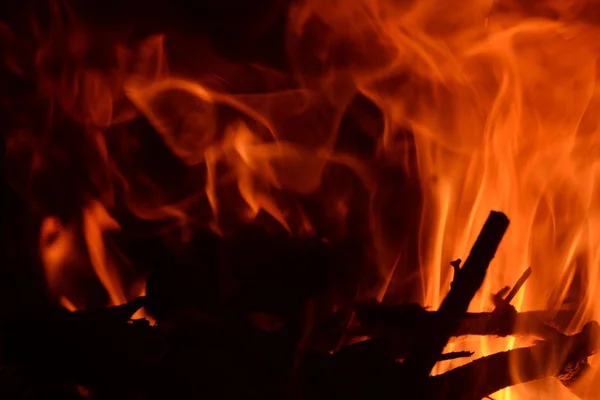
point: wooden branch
(205, 354)
(511, 295)
(489, 374)
(430, 344)
(365, 371)
(453, 355)
(404, 322)
(399, 326)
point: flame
(60, 251)
(488, 104)
(501, 102)
(56, 243)
(96, 220)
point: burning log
(482, 377)
(103, 350)
(356, 373)
(400, 322)
(466, 283)
(364, 371)
(403, 322)
(116, 357)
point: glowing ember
(491, 105)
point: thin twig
(518, 285)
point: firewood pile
(225, 354)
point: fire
(96, 220)
(488, 104)
(56, 244)
(501, 104)
(61, 250)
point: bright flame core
(497, 101)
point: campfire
(307, 199)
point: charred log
(361, 372)
(220, 356)
(401, 320)
(561, 357)
(467, 282)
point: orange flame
(60, 251)
(501, 106)
(490, 104)
(96, 220)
